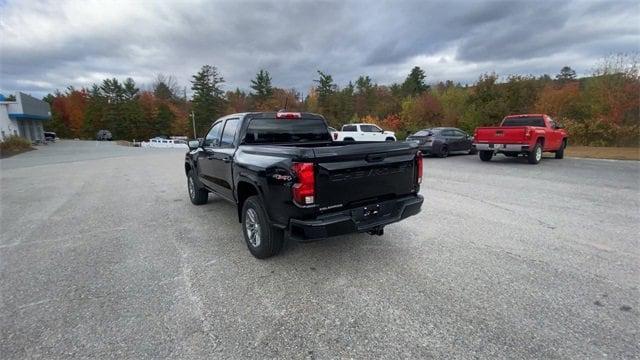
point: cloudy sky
(48, 45)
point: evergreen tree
(414, 84)
(326, 88)
(365, 96)
(566, 74)
(130, 90)
(164, 119)
(262, 86)
(346, 103)
(165, 88)
(94, 117)
(208, 101)
(112, 90)
(326, 100)
(363, 85)
(131, 124)
(48, 98)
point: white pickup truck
(363, 132)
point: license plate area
(372, 213)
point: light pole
(193, 121)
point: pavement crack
(196, 305)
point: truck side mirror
(194, 144)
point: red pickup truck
(528, 134)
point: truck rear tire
(197, 194)
(486, 155)
(560, 152)
(534, 156)
(263, 239)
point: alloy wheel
(252, 226)
(192, 188)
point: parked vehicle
(334, 132)
(442, 141)
(160, 142)
(103, 135)
(286, 176)
(50, 136)
(529, 135)
(364, 132)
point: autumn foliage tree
(68, 112)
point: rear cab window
(274, 131)
(524, 121)
(350, 128)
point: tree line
(600, 109)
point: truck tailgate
(501, 135)
(356, 174)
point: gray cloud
(49, 45)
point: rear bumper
(360, 219)
(502, 147)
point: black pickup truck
(286, 175)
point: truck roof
(272, 114)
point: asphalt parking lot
(103, 255)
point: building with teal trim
(23, 117)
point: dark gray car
(442, 141)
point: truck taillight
(335, 136)
(303, 190)
(419, 166)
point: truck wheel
(535, 155)
(560, 152)
(486, 155)
(444, 152)
(263, 240)
(197, 193)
